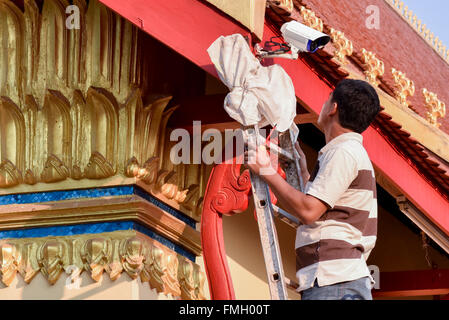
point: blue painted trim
(164, 241)
(39, 197)
(71, 230)
(178, 214)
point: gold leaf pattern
(96, 254)
(374, 68)
(435, 108)
(98, 167)
(404, 86)
(343, 47)
(54, 170)
(50, 259)
(9, 175)
(113, 252)
(310, 19)
(73, 109)
(9, 262)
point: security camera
(302, 37)
(298, 38)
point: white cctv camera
(298, 37)
(302, 37)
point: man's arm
(307, 208)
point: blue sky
(434, 13)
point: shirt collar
(342, 138)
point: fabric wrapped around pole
(259, 95)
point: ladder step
(286, 217)
(277, 150)
(291, 284)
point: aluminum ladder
(265, 211)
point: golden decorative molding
(71, 108)
(111, 253)
(9, 175)
(435, 108)
(286, 6)
(106, 209)
(420, 28)
(310, 19)
(343, 46)
(404, 86)
(373, 67)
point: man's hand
(303, 163)
(259, 160)
(307, 208)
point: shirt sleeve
(337, 170)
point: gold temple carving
(404, 86)
(285, 6)
(111, 254)
(374, 68)
(71, 107)
(435, 108)
(343, 46)
(310, 19)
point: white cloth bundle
(259, 95)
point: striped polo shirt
(335, 247)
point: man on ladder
(338, 208)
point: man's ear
(333, 109)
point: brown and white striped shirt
(334, 248)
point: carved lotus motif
(186, 279)
(132, 253)
(9, 174)
(167, 183)
(96, 255)
(154, 268)
(54, 170)
(50, 259)
(30, 178)
(9, 262)
(98, 167)
(146, 173)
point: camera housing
(297, 38)
(302, 37)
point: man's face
(323, 117)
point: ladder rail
(269, 240)
(267, 229)
(266, 210)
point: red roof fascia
(187, 26)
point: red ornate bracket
(226, 193)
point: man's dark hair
(357, 104)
